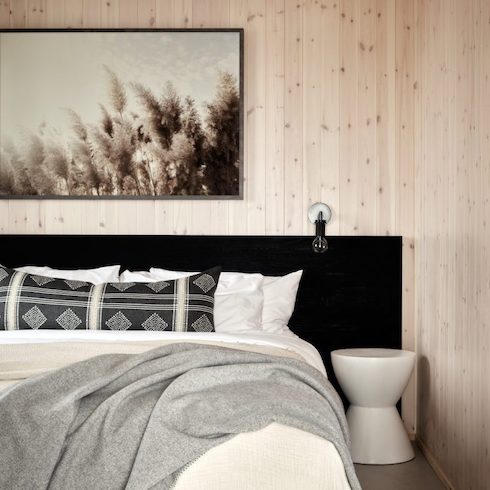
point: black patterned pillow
(28, 301)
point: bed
(349, 297)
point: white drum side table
(373, 380)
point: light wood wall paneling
(349, 141)
(483, 458)
(109, 13)
(128, 13)
(36, 13)
(294, 214)
(312, 110)
(274, 124)
(405, 86)
(4, 14)
(146, 13)
(92, 13)
(451, 137)
(73, 14)
(255, 115)
(386, 130)
(55, 14)
(18, 13)
(330, 106)
(366, 89)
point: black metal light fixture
(319, 214)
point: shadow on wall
(424, 425)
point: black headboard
(349, 296)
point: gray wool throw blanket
(135, 421)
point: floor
(416, 474)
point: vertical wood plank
(255, 116)
(36, 13)
(483, 458)
(73, 14)
(4, 14)
(366, 89)
(91, 13)
(348, 96)
(386, 130)
(146, 13)
(18, 14)
(165, 16)
(55, 14)
(294, 213)
(405, 86)
(274, 112)
(109, 13)
(128, 13)
(312, 110)
(330, 124)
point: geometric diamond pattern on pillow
(29, 301)
(34, 317)
(118, 321)
(157, 286)
(154, 322)
(41, 280)
(68, 320)
(202, 324)
(122, 286)
(75, 284)
(205, 282)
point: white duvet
(290, 343)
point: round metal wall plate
(315, 210)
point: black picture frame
(239, 195)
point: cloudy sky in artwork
(40, 74)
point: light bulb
(320, 244)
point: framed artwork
(121, 114)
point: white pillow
(94, 276)
(138, 276)
(279, 297)
(279, 300)
(238, 298)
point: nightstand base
(378, 436)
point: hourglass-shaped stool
(373, 380)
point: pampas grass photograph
(143, 114)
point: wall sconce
(319, 214)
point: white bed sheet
(307, 351)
